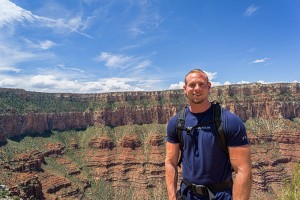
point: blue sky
(91, 46)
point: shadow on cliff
(3, 143)
(46, 134)
(19, 138)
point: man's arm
(172, 154)
(240, 158)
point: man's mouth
(197, 95)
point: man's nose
(198, 87)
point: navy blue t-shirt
(203, 160)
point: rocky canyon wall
(117, 109)
(63, 167)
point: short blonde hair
(195, 71)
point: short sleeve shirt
(203, 160)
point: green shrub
(292, 190)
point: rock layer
(130, 161)
(117, 109)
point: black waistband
(203, 189)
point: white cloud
(176, 86)
(71, 68)
(251, 10)
(9, 68)
(227, 83)
(129, 64)
(9, 81)
(114, 60)
(10, 13)
(213, 84)
(43, 81)
(57, 83)
(46, 44)
(263, 82)
(10, 55)
(148, 19)
(261, 60)
(110, 85)
(211, 75)
(243, 82)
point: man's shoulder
(229, 115)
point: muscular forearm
(171, 180)
(240, 158)
(242, 185)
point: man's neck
(199, 108)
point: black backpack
(217, 122)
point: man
(206, 168)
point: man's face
(197, 88)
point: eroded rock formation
(130, 161)
(117, 109)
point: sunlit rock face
(129, 161)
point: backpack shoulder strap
(217, 123)
(180, 127)
(217, 118)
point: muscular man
(206, 168)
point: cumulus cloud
(243, 82)
(213, 84)
(251, 10)
(9, 81)
(263, 82)
(110, 85)
(263, 60)
(56, 83)
(176, 86)
(227, 83)
(211, 76)
(43, 81)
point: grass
(101, 189)
(27, 143)
(291, 191)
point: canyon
(68, 145)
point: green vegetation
(263, 126)
(292, 189)
(297, 120)
(38, 102)
(3, 191)
(104, 190)
(21, 102)
(77, 157)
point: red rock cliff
(117, 109)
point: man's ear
(209, 85)
(184, 89)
